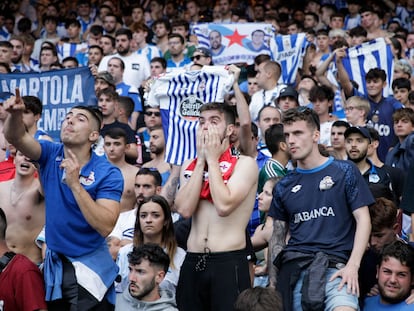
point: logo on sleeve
(296, 188)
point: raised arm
(247, 145)
(228, 196)
(322, 69)
(15, 130)
(343, 76)
(188, 197)
(101, 214)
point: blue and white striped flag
(180, 96)
(288, 51)
(373, 54)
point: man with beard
(157, 149)
(18, 49)
(395, 278)
(137, 68)
(148, 265)
(176, 46)
(147, 184)
(217, 191)
(357, 141)
(216, 46)
(385, 230)
(87, 189)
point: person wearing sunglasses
(152, 118)
(202, 57)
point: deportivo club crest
(326, 183)
(190, 108)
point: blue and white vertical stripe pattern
(72, 49)
(181, 91)
(288, 52)
(361, 58)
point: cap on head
(107, 77)
(288, 92)
(206, 52)
(358, 130)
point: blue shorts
(333, 297)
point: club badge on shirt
(87, 180)
(326, 183)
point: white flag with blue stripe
(288, 51)
(373, 54)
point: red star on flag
(235, 38)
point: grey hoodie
(125, 302)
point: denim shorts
(333, 297)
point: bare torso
(128, 195)
(214, 233)
(25, 212)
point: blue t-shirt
(318, 204)
(67, 230)
(374, 304)
(380, 118)
(132, 92)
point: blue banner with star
(235, 43)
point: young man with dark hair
(220, 202)
(176, 47)
(182, 27)
(108, 103)
(21, 282)
(401, 87)
(148, 265)
(307, 212)
(357, 141)
(161, 28)
(140, 33)
(395, 278)
(32, 115)
(382, 108)
(322, 99)
(116, 68)
(73, 44)
(107, 43)
(402, 155)
(88, 189)
(338, 129)
(137, 68)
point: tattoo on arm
(276, 244)
(170, 189)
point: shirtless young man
(157, 148)
(24, 207)
(115, 145)
(220, 207)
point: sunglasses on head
(152, 113)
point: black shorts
(212, 281)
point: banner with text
(59, 90)
(235, 43)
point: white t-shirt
(262, 98)
(137, 68)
